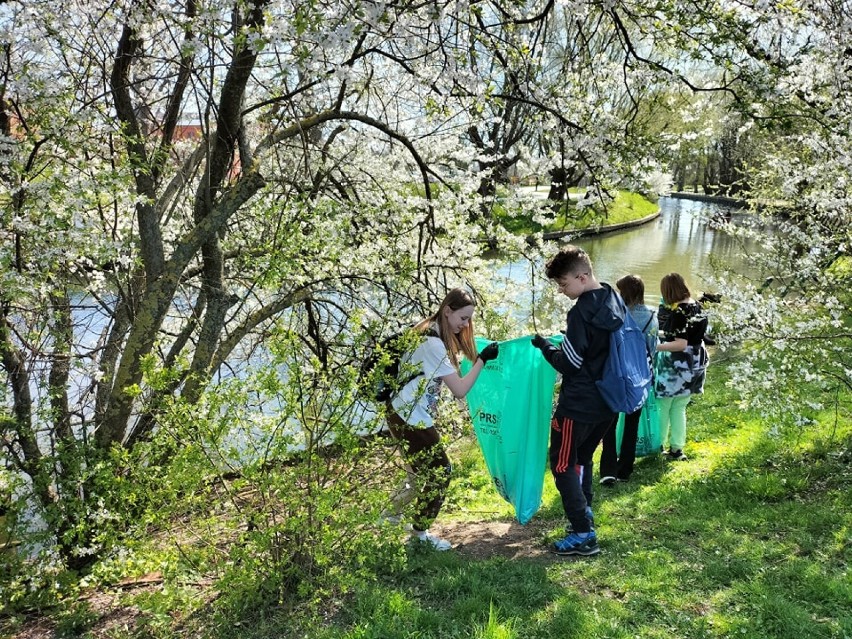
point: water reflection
(681, 239)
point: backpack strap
(648, 323)
(645, 328)
(429, 332)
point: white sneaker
(437, 542)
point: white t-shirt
(417, 401)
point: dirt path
(496, 538)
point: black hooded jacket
(583, 353)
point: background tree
(786, 70)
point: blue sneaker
(584, 544)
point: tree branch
(150, 239)
(173, 110)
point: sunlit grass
(749, 538)
(735, 542)
(626, 207)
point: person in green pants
(681, 361)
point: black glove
(540, 342)
(489, 352)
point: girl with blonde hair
(411, 412)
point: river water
(681, 240)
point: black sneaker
(609, 480)
(583, 544)
(677, 455)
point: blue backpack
(626, 378)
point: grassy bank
(626, 207)
(750, 538)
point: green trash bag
(510, 406)
(648, 441)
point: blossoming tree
(178, 178)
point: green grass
(626, 207)
(751, 538)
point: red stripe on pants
(562, 461)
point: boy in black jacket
(582, 417)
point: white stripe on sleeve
(574, 359)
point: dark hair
(673, 288)
(454, 300)
(632, 289)
(570, 260)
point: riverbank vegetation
(625, 207)
(749, 538)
